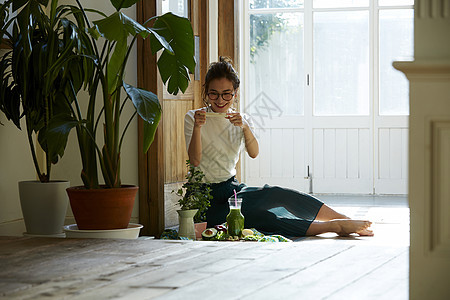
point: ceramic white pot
(186, 221)
(44, 206)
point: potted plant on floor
(35, 40)
(194, 202)
(96, 206)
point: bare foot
(345, 227)
(365, 232)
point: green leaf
(93, 31)
(11, 105)
(115, 63)
(117, 27)
(18, 4)
(173, 73)
(149, 133)
(161, 41)
(54, 139)
(45, 2)
(119, 4)
(148, 107)
(174, 66)
(114, 27)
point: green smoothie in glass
(235, 219)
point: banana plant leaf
(174, 67)
(148, 107)
(17, 4)
(118, 4)
(117, 27)
(55, 135)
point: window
(341, 63)
(276, 59)
(330, 109)
(396, 41)
(332, 45)
(177, 7)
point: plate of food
(215, 115)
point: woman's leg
(288, 212)
(326, 213)
(342, 227)
(338, 223)
(218, 211)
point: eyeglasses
(225, 96)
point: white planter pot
(186, 221)
(44, 206)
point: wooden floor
(324, 267)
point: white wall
(16, 163)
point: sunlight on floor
(390, 225)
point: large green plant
(106, 62)
(36, 40)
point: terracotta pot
(102, 208)
(199, 228)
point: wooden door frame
(226, 28)
(150, 164)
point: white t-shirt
(222, 143)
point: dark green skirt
(269, 209)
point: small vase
(199, 228)
(186, 221)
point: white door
(311, 83)
(276, 93)
(341, 113)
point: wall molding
(432, 9)
(424, 68)
(438, 224)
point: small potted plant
(194, 203)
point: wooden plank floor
(323, 267)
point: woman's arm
(251, 143)
(195, 146)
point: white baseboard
(12, 228)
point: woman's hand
(199, 118)
(236, 120)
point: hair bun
(225, 59)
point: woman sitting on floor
(215, 136)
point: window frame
(308, 10)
